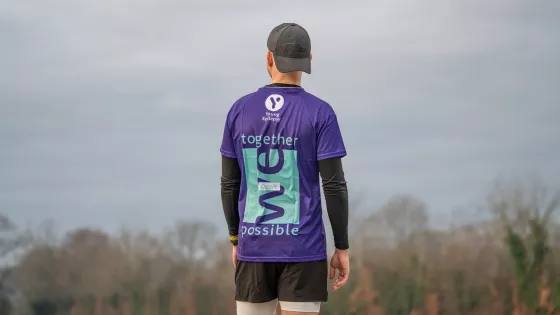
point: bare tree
(42, 274)
(10, 241)
(92, 262)
(516, 202)
(10, 238)
(526, 210)
(404, 215)
(191, 240)
(6, 246)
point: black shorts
(259, 282)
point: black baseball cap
(291, 47)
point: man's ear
(310, 56)
(269, 58)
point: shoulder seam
(309, 115)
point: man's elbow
(335, 187)
(230, 184)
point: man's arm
(336, 196)
(231, 183)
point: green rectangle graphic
(272, 180)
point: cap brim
(285, 64)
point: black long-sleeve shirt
(334, 187)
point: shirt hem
(331, 155)
(282, 259)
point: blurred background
(111, 116)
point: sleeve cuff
(324, 156)
(228, 154)
(341, 246)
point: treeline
(508, 263)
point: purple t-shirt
(278, 134)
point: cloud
(112, 111)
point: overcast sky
(111, 111)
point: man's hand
(234, 256)
(340, 262)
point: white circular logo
(274, 102)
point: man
(276, 142)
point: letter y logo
(274, 102)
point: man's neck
(287, 79)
